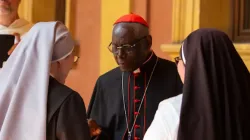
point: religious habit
(124, 103)
(20, 26)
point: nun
(34, 102)
(216, 94)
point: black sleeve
(96, 111)
(72, 121)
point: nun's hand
(17, 40)
(95, 130)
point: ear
(149, 41)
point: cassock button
(136, 113)
(137, 126)
(136, 101)
(136, 87)
(136, 138)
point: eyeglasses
(177, 59)
(127, 48)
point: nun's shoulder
(57, 87)
(57, 94)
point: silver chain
(125, 111)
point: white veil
(24, 81)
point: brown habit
(66, 114)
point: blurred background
(170, 21)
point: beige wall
(158, 14)
(86, 30)
(160, 21)
(37, 10)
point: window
(241, 22)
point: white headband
(182, 54)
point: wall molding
(70, 15)
(243, 50)
(185, 18)
(25, 9)
(189, 15)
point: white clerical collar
(16, 24)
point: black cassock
(106, 105)
(66, 114)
